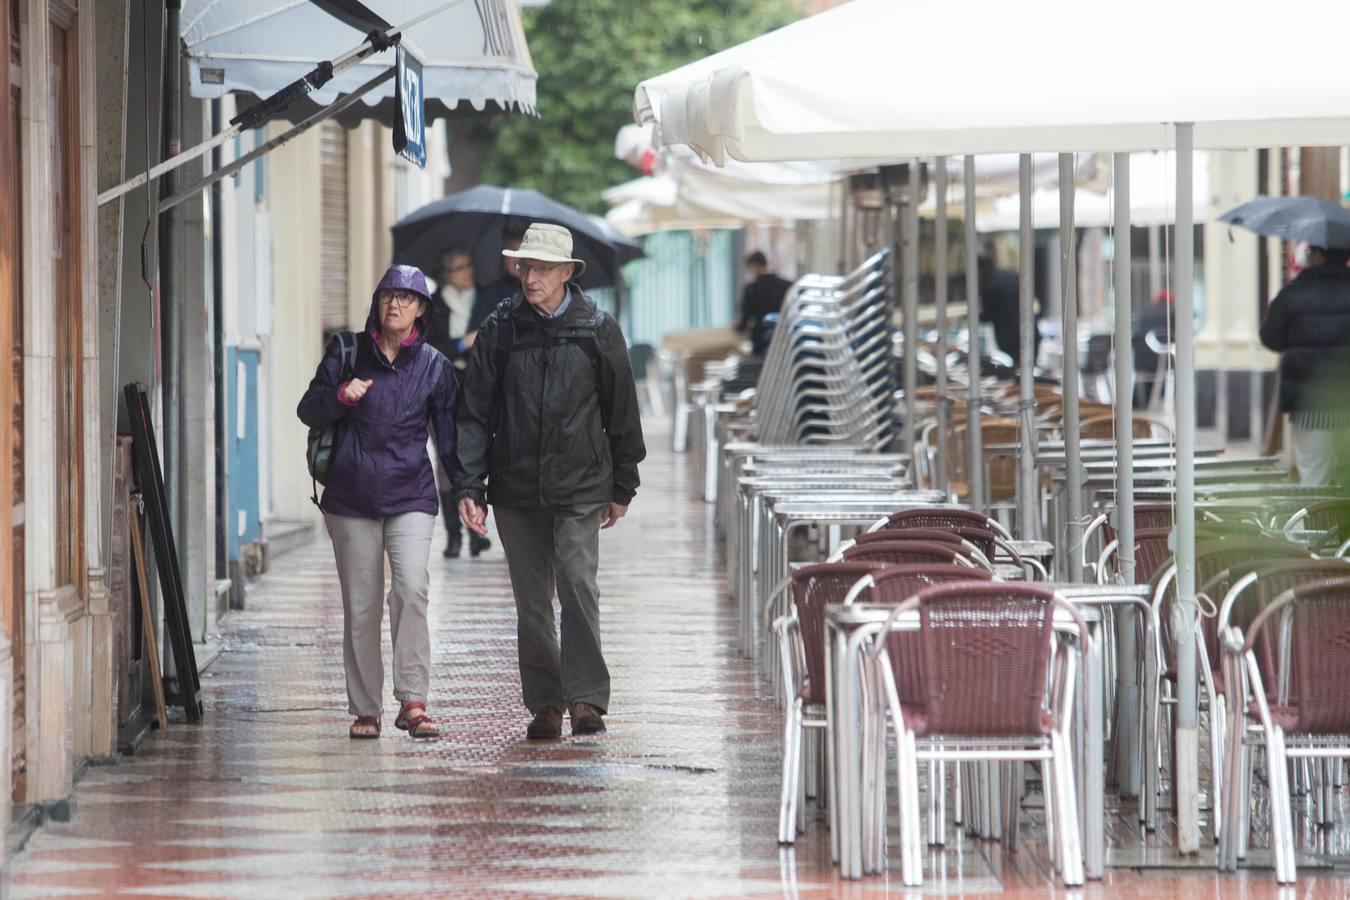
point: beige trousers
(360, 546)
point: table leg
(1094, 785)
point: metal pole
(909, 237)
(1188, 735)
(171, 343)
(973, 437)
(1028, 489)
(841, 268)
(285, 137)
(1073, 458)
(940, 301)
(1128, 772)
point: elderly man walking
(549, 435)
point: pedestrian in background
(457, 309)
(380, 497)
(1000, 304)
(549, 435)
(1308, 324)
(762, 298)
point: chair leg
(1066, 797)
(1217, 728)
(792, 735)
(908, 773)
(1281, 812)
(1051, 814)
(958, 799)
(1012, 802)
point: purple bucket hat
(403, 278)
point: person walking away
(456, 310)
(762, 297)
(549, 435)
(1000, 304)
(381, 497)
(1308, 324)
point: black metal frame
(150, 479)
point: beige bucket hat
(548, 243)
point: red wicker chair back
(902, 552)
(1320, 656)
(1273, 579)
(895, 585)
(937, 517)
(812, 588)
(932, 535)
(1151, 553)
(986, 651)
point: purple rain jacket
(381, 467)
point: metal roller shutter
(333, 226)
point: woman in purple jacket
(381, 493)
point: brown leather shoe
(586, 719)
(547, 725)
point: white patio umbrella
(1071, 76)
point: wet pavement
(270, 798)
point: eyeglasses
(459, 268)
(541, 269)
(399, 299)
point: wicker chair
(1309, 718)
(902, 552)
(946, 517)
(989, 659)
(801, 647)
(893, 586)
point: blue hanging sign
(410, 139)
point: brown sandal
(364, 722)
(413, 719)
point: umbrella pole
(940, 301)
(1187, 761)
(973, 436)
(1028, 489)
(1127, 775)
(909, 238)
(1071, 538)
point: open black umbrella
(1310, 219)
(476, 218)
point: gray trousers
(548, 550)
(360, 546)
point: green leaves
(590, 55)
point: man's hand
(474, 516)
(613, 513)
(355, 390)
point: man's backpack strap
(506, 341)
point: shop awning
(473, 53)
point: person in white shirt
(458, 309)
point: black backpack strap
(584, 336)
(346, 372)
(347, 343)
(506, 342)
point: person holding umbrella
(456, 310)
(1308, 324)
(549, 434)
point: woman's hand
(355, 390)
(474, 516)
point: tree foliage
(590, 55)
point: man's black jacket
(1309, 324)
(554, 446)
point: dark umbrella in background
(475, 218)
(1310, 219)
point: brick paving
(269, 797)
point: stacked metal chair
(828, 375)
